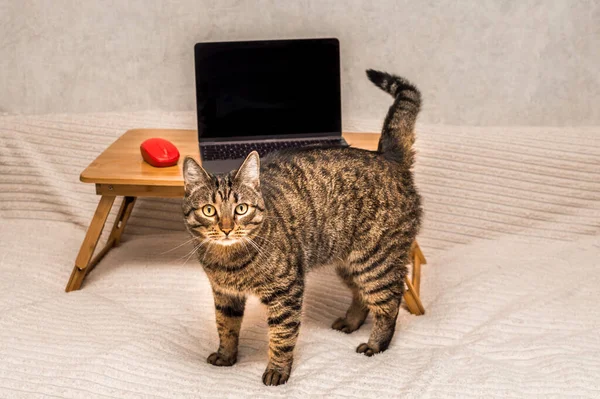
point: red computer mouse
(159, 152)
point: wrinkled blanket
(511, 288)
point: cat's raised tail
(398, 133)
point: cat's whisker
(247, 239)
(200, 246)
(206, 251)
(251, 241)
(245, 246)
(264, 239)
(190, 254)
(179, 246)
(187, 254)
(189, 257)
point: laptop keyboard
(236, 151)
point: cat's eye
(209, 210)
(241, 209)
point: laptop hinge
(254, 140)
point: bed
(511, 288)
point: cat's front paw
(367, 350)
(217, 359)
(275, 377)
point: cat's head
(224, 210)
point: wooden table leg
(418, 260)
(89, 242)
(84, 262)
(114, 239)
(412, 300)
(412, 294)
(122, 218)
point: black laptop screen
(267, 88)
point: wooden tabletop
(122, 163)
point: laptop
(265, 96)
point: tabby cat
(258, 230)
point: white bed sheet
(511, 289)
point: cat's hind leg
(379, 277)
(356, 313)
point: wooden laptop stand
(120, 172)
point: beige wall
(477, 62)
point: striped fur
(398, 129)
(355, 210)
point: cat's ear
(249, 172)
(194, 174)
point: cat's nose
(226, 231)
